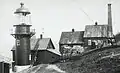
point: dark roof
(75, 37)
(97, 31)
(22, 9)
(43, 43)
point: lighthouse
(22, 35)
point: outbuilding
(42, 51)
(4, 64)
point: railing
(32, 32)
(12, 31)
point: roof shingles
(43, 43)
(97, 31)
(75, 37)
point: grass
(92, 62)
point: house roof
(75, 37)
(97, 31)
(43, 43)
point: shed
(4, 67)
(47, 56)
(4, 64)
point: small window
(18, 42)
(30, 57)
(89, 42)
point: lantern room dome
(22, 9)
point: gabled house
(97, 35)
(70, 39)
(42, 51)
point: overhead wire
(113, 1)
(110, 1)
(85, 13)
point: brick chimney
(73, 30)
(96, 23)
(41, 36)
(109, 17)
(110, 20)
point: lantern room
(23, 15)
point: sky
(55, 16)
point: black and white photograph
(59, 36)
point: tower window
(17, 42)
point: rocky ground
(43, 68)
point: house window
(89, 42)
(30, 57)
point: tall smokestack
(109, 15)
(110, 19)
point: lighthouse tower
(22, 35)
